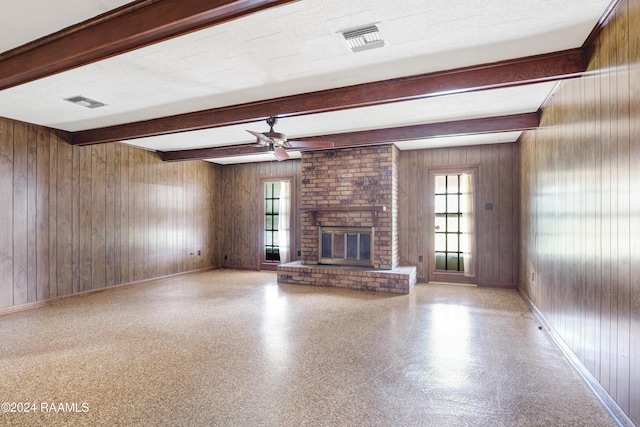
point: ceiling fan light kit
(277, 142)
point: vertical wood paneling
(497, 262)
(486, 215)
(634, 210)
(152, 225)
(422, 205)
(190, 220)
(20, 225)
(583, 245)
(76, 186)
(115, 168)
(111, 164)
(6, 213)
(138, 216)
(163, 223)
(83, 218)
(53, 215)
(241, 191)
(504, 155)
(84, 230)
(42, 215)
(98, 216)
(64, 233)
(32, 258)
(125, 185)
(622, 100)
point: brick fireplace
(350, 189)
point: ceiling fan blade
(311, 144)
(262, 139)
(280, 154)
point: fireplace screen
(346, 245)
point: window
(452, 242)
(272, 220)
(277, 224)
(448, 216)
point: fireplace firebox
(346, 246)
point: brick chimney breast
(351, 179)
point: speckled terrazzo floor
(230, 348)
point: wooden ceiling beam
(376, 137)
(433, 130)
(130, 27)
(515, 72)
(211, 153)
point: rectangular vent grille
(364, 38)
(85, 102)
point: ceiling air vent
(85, 102)
(365, 38)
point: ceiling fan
(277, 142)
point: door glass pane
(452, 261)
(452, 184)
(440, 242)
(271, 205)
(441, 184)
(452, 223)
(452, 203)
(448, 226)
(452, 242)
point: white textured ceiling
(22, 21)
(293, 49)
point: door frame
(273, 265)
(456, 277)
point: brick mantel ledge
(313, 211)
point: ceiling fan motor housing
(278, 138)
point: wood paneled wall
(496, 234)
(580, 205)
(239, 228)
(74, 219)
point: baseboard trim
(452, 284)
(51, 301)
(607, 401)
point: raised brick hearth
(356, 187)
(397, 281)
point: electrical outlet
(199, 252)
(533, 276)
